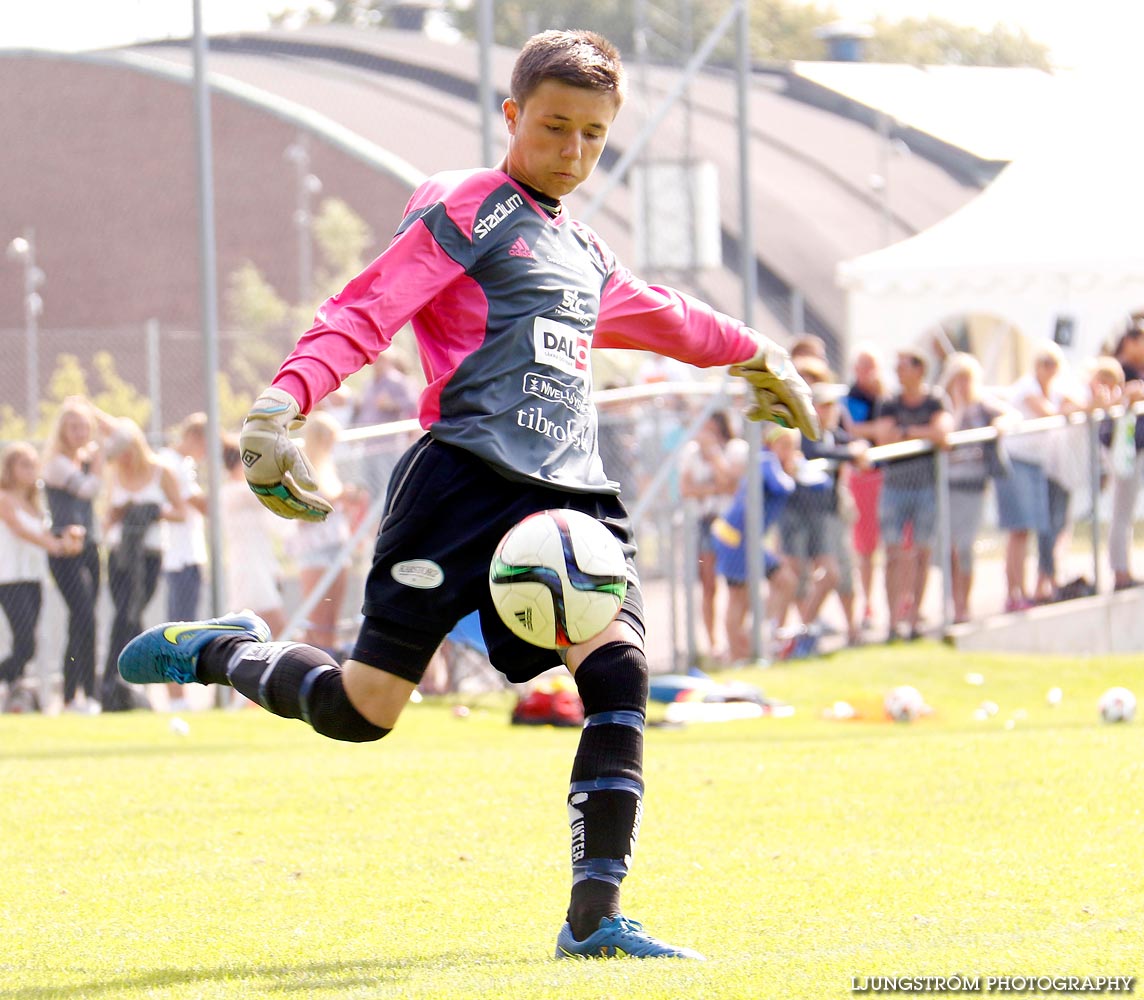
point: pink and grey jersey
(506, 304)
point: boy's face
(557, 136)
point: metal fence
(1088, 502)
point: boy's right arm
(276, 469)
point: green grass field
(251, 858)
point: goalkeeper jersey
(506, 303)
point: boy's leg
(605, 803)
(288, 679)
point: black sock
(605, 799)
(290, 680)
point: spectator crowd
(99, 507)
(831, 515)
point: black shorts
(445, 514)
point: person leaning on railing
(73, 479)
(1125, 441)
(970, 467)
(909, 497)
(25, 544)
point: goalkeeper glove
(781, 394)
(276, 469)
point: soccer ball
(1117, 705)
(904, 704)
(558, 578)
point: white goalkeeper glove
(781, 394)
(277, 471)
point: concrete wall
(100, 160)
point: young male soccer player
(506, 295)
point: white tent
(1056, 243)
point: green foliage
(118, 397)
(780, 30)
(934, 41)
(342, 238)
(113, 395)
(67, 378)
(13, 425)
(251, 858)
(267, 324)
(251, 302)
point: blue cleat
(170, 652)
(616, 938)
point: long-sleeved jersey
(506, 303)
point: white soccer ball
(904, 703)
(1117, 704)
(558, 578)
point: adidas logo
(519, 248)
(524, 616)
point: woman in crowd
(862, 406)
(711, 468)
(1126, 444)
(970, 467)
(778, 462)
(1023, 497)
(25, 544)
(1037, 481)
(73, 477)
(142, 492)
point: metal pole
(635, 149)
(485, 80)
(307, 185)
(690, 582)
(797, 312)
(208, 292)
(944, 537)
(23, 249)
(154, 381)
(754, 514)
(1095, 473)
(33, 306)
(884, 188)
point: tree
(68, 378)
(268, 323)
(342, 237)
(253, 307)
(933, 41)
(781, 30)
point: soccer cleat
(170, 652)
(618, 937)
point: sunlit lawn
(250, 857)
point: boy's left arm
(635, 315)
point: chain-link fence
(955, 536)
(319, 137)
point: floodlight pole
(307, 185)
(208, 298)
(23, 249)
(754, 520)
(485, 92)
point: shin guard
(606, 793)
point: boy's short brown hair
(577, 58)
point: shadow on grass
(303, 977)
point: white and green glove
(781, 394)
(276, 469)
